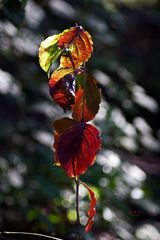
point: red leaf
(78, 44)
(76, 148)
(63, 91)
(88, 98)
(92, 210)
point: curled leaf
(87, 99)
(78, 45)
(92, 211)
(63, 91)
(62, 86)
(49, 52)
(76, 148)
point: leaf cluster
(76, 142)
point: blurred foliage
(34, 195)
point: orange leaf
(78, 44)
(67, 36)
(89, 99)
(76, 148)
(92, 210)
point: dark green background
(34, 195)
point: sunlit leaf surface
(49, 52)
(78, 44)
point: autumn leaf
(63, 91)
(92, 211)
(49, 52)
(87, 99)
(62, 86)
(76, 148)
(78, 44)
(67, 37)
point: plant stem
(77, 208)
(77, 201)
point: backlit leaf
(63, 91)
(67, 37)
(92, 211)
(49, 52)
(79, 47)
(76, 148)
(89, 99)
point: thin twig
(77, 209)
(25, 235)
(77, 201)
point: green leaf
(49, 52)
